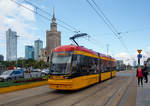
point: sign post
(139, 56)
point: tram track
(26, 99)
(49, 100)
(69, 98)
(82, 97)
(108, 86)
(103, 87)
(118, 92)
(80, 91)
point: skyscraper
(1, 58)
(53, 37)
(11, 45)
(38, 45)
(29, 52)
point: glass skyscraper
(38, 45)
(1, 58)
(11, 45)
(29, 52)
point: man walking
(145, 73)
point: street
(107, 93)
(71, 44)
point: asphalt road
(107, 93)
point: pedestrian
(145, 73)
(139, 74)
(29, 71)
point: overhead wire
(50, 15)
(103, 14)
(107, 22)
(95, 44)
(129, 31)
(36, 12)
(100, 16)
(37, 8)
(69, 29)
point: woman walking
(139, 74)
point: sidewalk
(143, 94)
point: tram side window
(102, 65)
(108, 66)
(105, 66)
(84, 65)
(113, 66)
(88, 65)
(92, 63)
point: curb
(21, 87)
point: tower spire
(53, 18)
(53, 12)
(53, 24)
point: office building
(38, 45)
(1, 58)
(29, 52)
(11, 45)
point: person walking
(139, 74)
(145, 73)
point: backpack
(140, 72)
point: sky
(130, 17)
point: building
(11, 45)
(1, 58)
(43, 55)
(38, 45)
(2, 68)
(119, 62)
(148, 62)
(21, 58)
(29, 52)
(134, 63)
(53, 37)
(120, 65)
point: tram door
(99, 67)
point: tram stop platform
(143, 94)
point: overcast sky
(130, 17)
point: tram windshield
(60, 64)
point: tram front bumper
(60, 84)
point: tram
(75, 67)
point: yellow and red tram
(75, 67)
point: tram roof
(76, 48)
